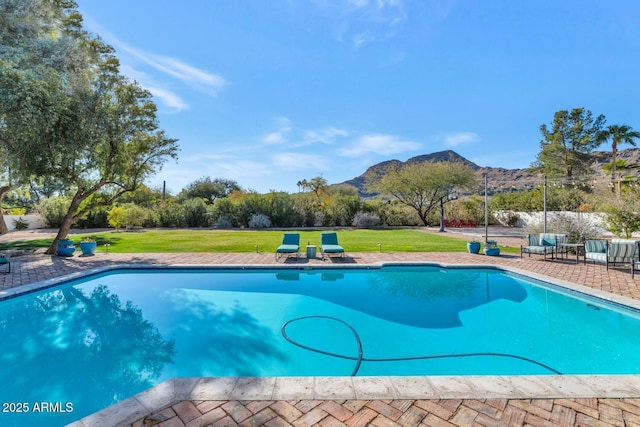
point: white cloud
(361, 21)
(168, 98)
(202, 80)
(379, 144)
(299, 161)
(460, 138)
(292, 136)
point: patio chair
(617, 251)
(543, 244)
(329, 244)
(290, 245)
(6, 262)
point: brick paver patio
(451, 412)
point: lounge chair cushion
(596, 256)
(332, 249)
(287, 249)
(540, 250)
(595, 246)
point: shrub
(20, 224)
(576, 229)
(223, 224)
(53, 210)
(17, 211)
(195, 213)
(366, 220)
(622, 221)
(134, 215)
(116, 217)
(259, 221)
(169, 214)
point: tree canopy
(210, 189)
(421, 186)
(619, 134)
(82, 124)
(565, 148)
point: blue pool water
(93, 342)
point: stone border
(363, 388)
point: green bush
(194, 212)
(53, 210)
(20, 224)
(623, 220)
(576, 229)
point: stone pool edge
(362, 388)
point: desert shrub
(223, 224)
(53, 210)
(169, 214)
(576, 229)
(366, 220)
(258, 221)
(116, 217)
(20, 224)
(622, 220)
(134, 215)
(194, 213)
(222, 209)
(17, 211)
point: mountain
(498, 179)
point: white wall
(596, 219)
(35, 221)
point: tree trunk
(3, 225)
(62, 233)
(67, 222)
(614, 155)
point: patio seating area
(621, 253)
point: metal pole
(441, 215)
(544, 204)
(486, 211)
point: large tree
(619, 134)
(422, 186)
(30, 39)
(89, 128)
(566, 148)
(210, 189)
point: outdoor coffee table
(576, 247)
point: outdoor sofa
(543, 244)
(618, 251)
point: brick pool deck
(602, 408)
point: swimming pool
(95, 341)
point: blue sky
(269, 92)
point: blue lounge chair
(290, 245)
(329, 244)
(5, 261)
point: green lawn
(166, 241)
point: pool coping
(361, 388)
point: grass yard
(184, 240)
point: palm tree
(619, 134)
